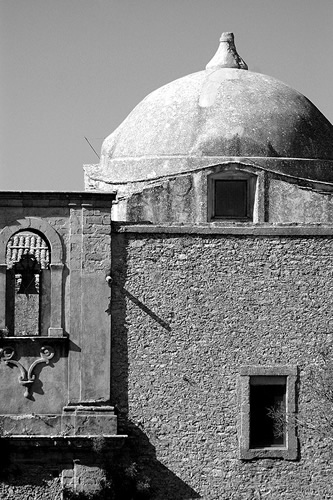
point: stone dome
(224, 112)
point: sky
(72, 69)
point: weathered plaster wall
(188, 311)
(292, 203)
(177, 199)
(185, 198)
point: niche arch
(39, 226)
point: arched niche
(49, 234)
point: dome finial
(226, 55)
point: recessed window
(268, 412)
(231, 196)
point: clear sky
(75, 68)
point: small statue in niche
(28, 268)
(27, 285)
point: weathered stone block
(30, 425)
(89, 421)
(88, 478)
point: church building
(167, 333)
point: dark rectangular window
(267, 411)
(231, 198)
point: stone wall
(190, 305)
(32, 483)
(188, 310)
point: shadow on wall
(163, 483)
(130, 473)
(152, 479)
(19, 480)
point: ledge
(58, 441)
(268, 370)
(93, 408)
(262, 453)
(95, 199)
(215, 228)
(35, 338)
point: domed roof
(222, 112)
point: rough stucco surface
(187, 312)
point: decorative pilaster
(56, 329)
(3, 270)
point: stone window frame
(56, 265)
(256, 191)
(290, 450)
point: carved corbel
(27, 377)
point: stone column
(3, 270)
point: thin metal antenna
(94, 150)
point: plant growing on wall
(124, 482)
(315, 414)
